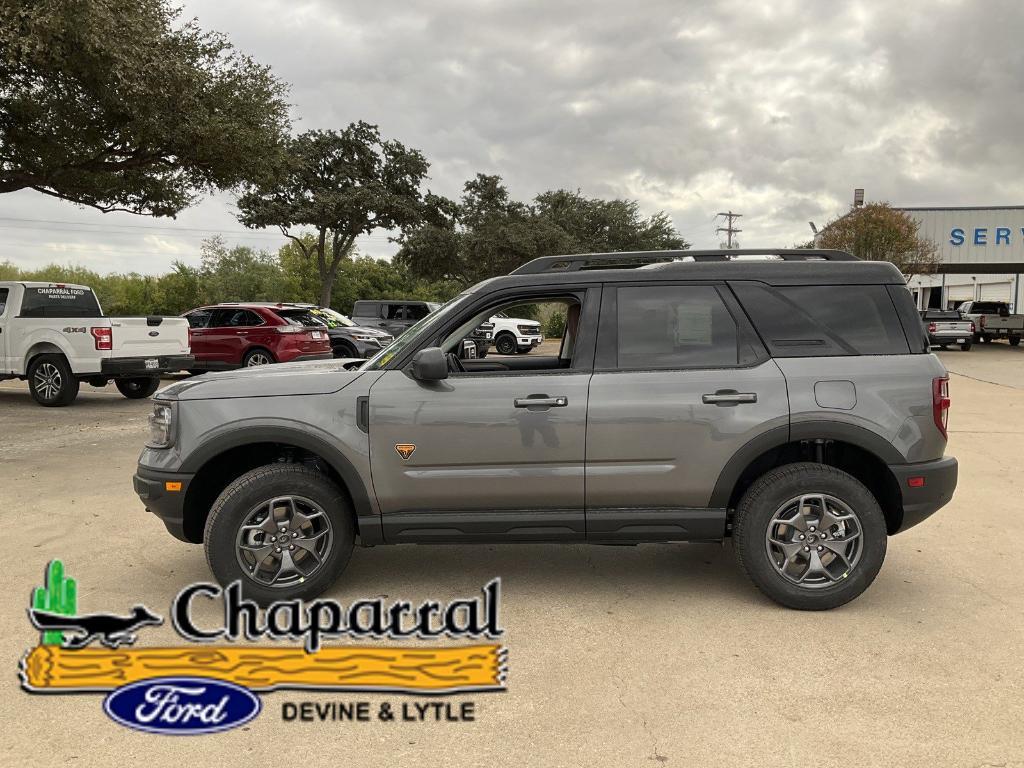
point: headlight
(360, 337)
(161, 426)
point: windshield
(398, 346)
(332, 318)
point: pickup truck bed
(948, 327)
(993, 320)
(56, 336)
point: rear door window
(200, 318)
(824, 320)
(394, 312)
(3, 300)
(59, 301)
(674, 326)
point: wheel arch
(258, 348)
(216, 463)
(44, 348)
(858, 451)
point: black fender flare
(368, 522)
(861, 437)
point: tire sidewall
(261, 485)
(258, 351)
(505, 339)
(759, 505)
(69, 384)
(147, 386)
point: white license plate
(318, 334)
(961, 341)
(151, 364)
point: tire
(1015, 341)
(505, 344)
(258, 356)
(985, 339)
(944, 346)
(757, 515)
(344, 349)
(137, 387)
(966, 347)
(51, 381)
(244, 498)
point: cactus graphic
(58, 596)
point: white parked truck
(515, 334)
(56, 336)
(992, 320)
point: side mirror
(430, 364)
(467, 350)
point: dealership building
(981, 255)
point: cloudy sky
(776, 110)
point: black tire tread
(300, 474)
(753, 498)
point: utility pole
(729, 230)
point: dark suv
(395, 316)
(237, 335)
(784, 399)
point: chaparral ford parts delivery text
(55, 336)
(784, 398)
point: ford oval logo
(182, 705)
(154, 333)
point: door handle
(541, 401)
(727, 397)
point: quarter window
(3, 300)
(674, 326)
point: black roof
(771, 266)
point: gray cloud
(774, 110)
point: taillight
(931, 327)
(940, 403)
(982, 321)
(973, 329)
(103, 337)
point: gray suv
(784, 399)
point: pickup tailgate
(148, 336)
(1003, 323)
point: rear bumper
(137, 366)
(939, 482)
(155, 490)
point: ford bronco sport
(784, 399)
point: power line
(730, 230)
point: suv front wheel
(284, 530)
(810, 536)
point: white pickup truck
(55, 336)
(993, 320)
(515, 334)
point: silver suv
(784, 399)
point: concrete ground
(659, 654)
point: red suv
(234, 335)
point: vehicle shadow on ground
(681, 570)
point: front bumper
(157, 492)
(145, 366)
(530, 341)
(920, 501)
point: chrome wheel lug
(273, 538)
(291, 546)
(277, 549)
(807, 549)
(820, 548)
(812, 529)
(802, 537)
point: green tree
(117, 106)
(487, 233)
(239, 273)
(342, 185)
(879, 232)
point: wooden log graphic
(415, 670)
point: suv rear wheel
(284, 530)
(810, 536)
(257, 356)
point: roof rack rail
(634, 259)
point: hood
(317, 377)
(357, 329)
(518, 320)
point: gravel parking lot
(658, 654)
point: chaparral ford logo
(206, 688)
